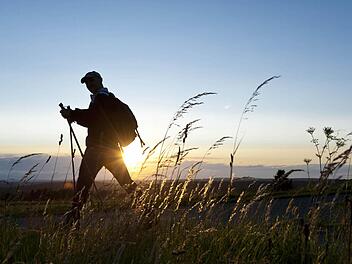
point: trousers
(93, 160)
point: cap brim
(83, 80)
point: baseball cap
(92, 74)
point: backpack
(124, 122)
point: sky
(155, 54)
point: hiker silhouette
(111, 125)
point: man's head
(93, 81)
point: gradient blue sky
(156, 54)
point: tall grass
(249, 107)
(57, 155)
(183, 109)
(186, 224)
(18, 161)
(183, 220)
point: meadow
(177, 218)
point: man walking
(102, 145)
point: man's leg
(116, 165)
(90, 166)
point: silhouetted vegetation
(177, 219)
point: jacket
(96, 119)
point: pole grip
(62, 106)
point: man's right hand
(66, 113)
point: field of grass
(179, 223)
(176, 218)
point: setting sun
(133, 156)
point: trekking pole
(72, 161)
(72, 133)
(71, 143)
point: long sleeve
(92, 115)
(96, 119)
(82, 116)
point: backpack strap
(140, 139)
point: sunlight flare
(133, 156)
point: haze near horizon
(156, 55)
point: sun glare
(133, 155)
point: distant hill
(214, 170)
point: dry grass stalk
(56, 158)
(248, 108)
(19, 160)
(218, 143)
(183, 109)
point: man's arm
(85, 117)
(78, 115)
